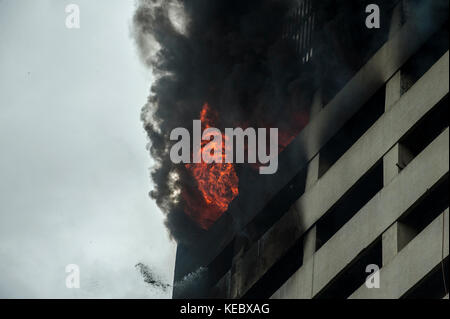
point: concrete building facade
(375, 186)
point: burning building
(363, 163)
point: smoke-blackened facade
(351, 164)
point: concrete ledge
(254, 262)
(377, 71)
(222, 289)
(413, 105)
(299, 286)
(376, 142)
(371, 221)
(412, 263)
(384, 209)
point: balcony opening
(432, 286)
(276, 207)
(426, 209)
(352, 131)
(346, 207)
(278, 274)
(424, 58)
(221, 290)
(426, 130)
(353, 276)
(220, 265)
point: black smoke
(235, 55)
(229, 53)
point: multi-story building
(364, 183)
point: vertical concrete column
(309, 239)
(394, 85)
(395, 161)
(317, 104)
(312, 173)
(310, 236)
(309, 244)
(398, 18)
(398, 235)
(393, 90)
(398, 157)
(240, 245)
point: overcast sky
(74, 170)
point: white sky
(74, 176)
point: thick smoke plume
(236, 57)
(228, 53)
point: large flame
(216, 182)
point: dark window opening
(432, 286)
(352, 131)
(276, 207)
(339, 32)
(222, 289)
(353, 276)
(424, 58)
(278, 274)
(427, 208)
(220, 265)
(427, 129)
(346, 207)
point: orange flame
(217, 182)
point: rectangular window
(349, 204)
(353, 276)
(424, 58)
(352, 131)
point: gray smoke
(228, 53)
(233, 55)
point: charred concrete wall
(367, 183)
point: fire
(216, 182)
